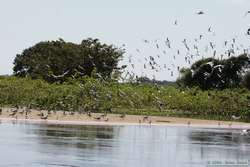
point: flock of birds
(154, 63)
(190, 51)
(44, 115)
(13, 112)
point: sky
(27, 22)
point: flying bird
(175, 22)
(210, 29)
(248, 31)
(200, 12)
(60, 76)
(248, 12)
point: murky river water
(25, 145)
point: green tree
(58, 60)
(246, 80)
(212, 73)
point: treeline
(60, 61)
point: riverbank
(115, 119)
(93, 95)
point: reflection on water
(118, 146)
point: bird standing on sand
(44, 116)
(13, 113)
(122, 116)
(89, 114)
(145, 118)
(97, 118)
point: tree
(212, 73)
(58, 60)
(246, 80)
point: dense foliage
(93, 95)
(59, 60)
(213, 73)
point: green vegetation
(58, 61)
(88, 94)
(212, 73)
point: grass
(136, 99)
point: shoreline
(59, 118)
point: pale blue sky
(26, 22)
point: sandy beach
(60, 117)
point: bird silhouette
(176, 22)
(248, 12)
(248, 31)
(200, 12)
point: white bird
(235, 117)
(245, 132)
(60, 76)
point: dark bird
(248, 31)
(210, 29)
(211, 44)
(175, 22)
(145, 118)
(201, 37)
(97, 118)
(122, 116)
